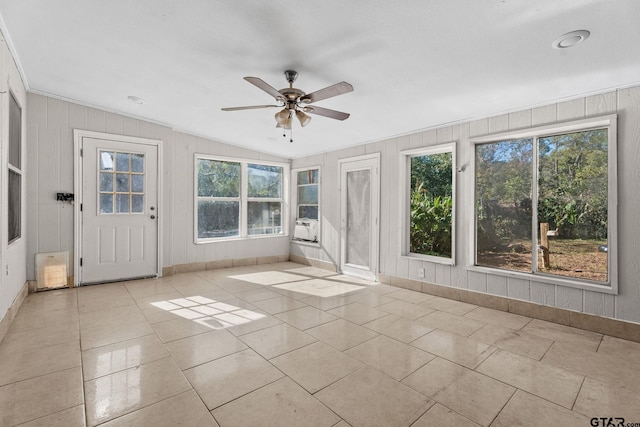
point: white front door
(359, 206)
(119, 208)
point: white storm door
(119, 214)
(359, 206)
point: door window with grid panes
(121, 183)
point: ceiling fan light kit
(293, 100)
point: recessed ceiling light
(136, 99)
(570, 39)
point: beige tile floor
(290, 345)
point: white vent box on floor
(51, 270)
(306, 229)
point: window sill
(547, 279)
(429, 258)
(306, 243)
(236, 238)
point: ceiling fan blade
(261, 84)
(250, 107)
(332, 114)
(327, 92)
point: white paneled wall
(50, 162)
(624, 306)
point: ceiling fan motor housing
(291, 76)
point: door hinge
(81, 152)
(80, 262)
(80, 207)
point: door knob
(153, 217)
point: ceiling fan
(294, 101)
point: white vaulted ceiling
(414, 64)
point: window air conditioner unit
(306, 229)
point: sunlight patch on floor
(211, 313)
(320, 287)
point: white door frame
(375, 219)
(78, 136)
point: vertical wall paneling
(543, 293)
(497, 285)
(595, 303)
(459, 277)
(628, 299)
(499, 123)
(520, 119)
(477, 281)
(479, 127)
(114, 123)
(415, 266)
(569, 298)
(57, 114)
(571, 110)
(444, 134)
(415, 140)
(518, 289)
(601, 104)
(429, 272)
(402, 266)
(38, 112)
(96, 120)
(443, 274)
(77, 114)
(544, 115)
(131, 126)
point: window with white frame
(546, 201)
(430, 199)
(238, 198)
(308, 185)
(14, 231)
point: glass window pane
(308, 177)
(106, 203)
(573, 204)
(310, 212)
(218, 219)
(106, 160)
(122, 203)
(15, 206)
(137, 203)
(308, 195)
(358, 217)
(265, 181)
(122, 162)
(137, 163)
(122, 182)
(503, 204)
(431, 205)
(106, 181)
(15, 133)
(218, 179)
(264, 218)
(137, 183)
(304, 178)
